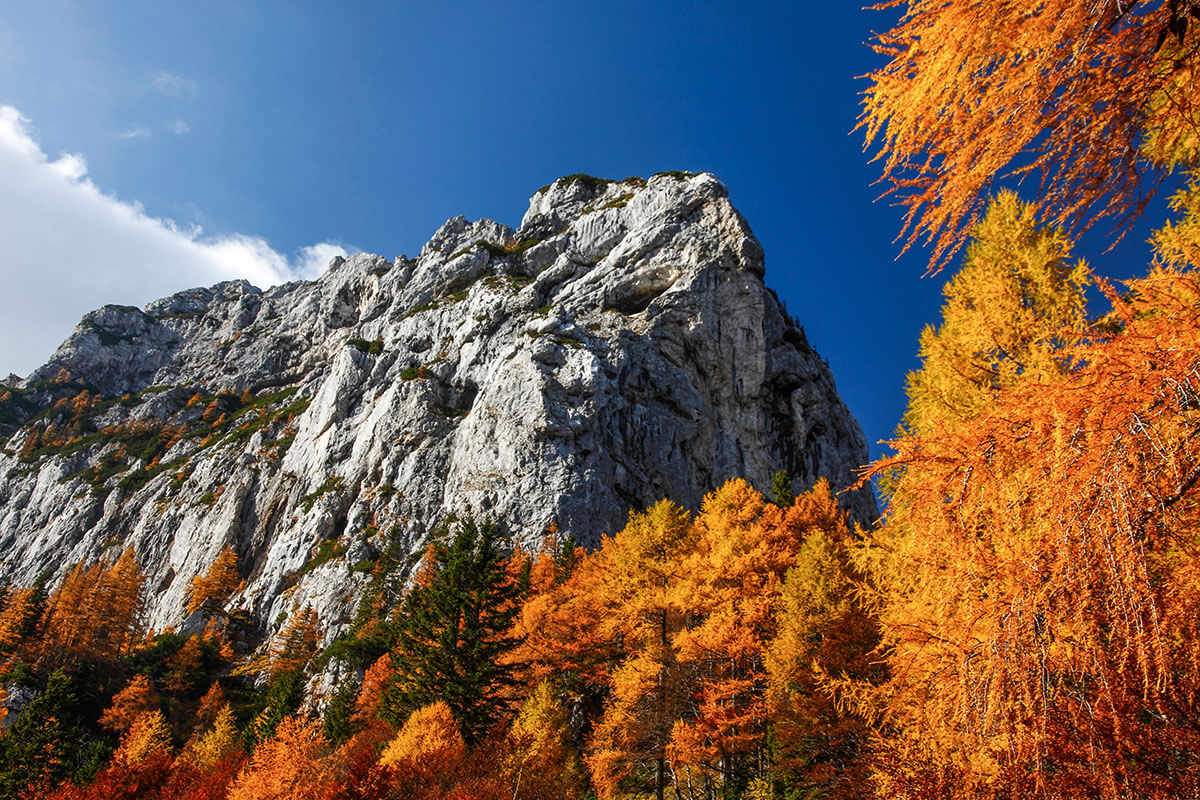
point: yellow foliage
(1177, 243)
(1009, 312)
(148, 735)
(538, 761)
(430, 734)
(218, 742)
(1036, 579)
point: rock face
(617, 348)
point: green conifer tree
(781, 489)
(452, 630)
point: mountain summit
(617, 348)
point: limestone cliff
(617, 348)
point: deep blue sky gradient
(371, 123)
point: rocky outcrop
(617, 348)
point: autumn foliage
(1093, 100)
(671, 622)
(94, 611)
(288, 766)
(1035, 580)
(1023, 623)
(211, 590)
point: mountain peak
(617, 348)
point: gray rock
(617, 348)
(16, 698)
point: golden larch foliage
(823, 632)
(375, 682)
(1009, 312)
(290, 649)
(181, 667)
(15, 617)
(538, 761)
(1070, 91)
(218, 742)
(291, 765)
(1038, 590)
(430, 735)
(148, 735)
(211, 702)
(95, 611)
(636, 576)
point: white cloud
(136, 132)
(312, 261)
(170, 84)
(179, 127)
(70, 248)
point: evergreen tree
(781, 489)
(337, 722)
(564, 560)
(53, 738)
(452, 630)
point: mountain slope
(618, 347)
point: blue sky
(270, 135)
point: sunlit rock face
(617, 348)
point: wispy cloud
(170, 84)
(69, 248)
(136, 132)
(179, 127)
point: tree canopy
(1094, 101)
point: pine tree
(452, 631)
(781, 489)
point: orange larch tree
(291, 765)
(537, 759)
(824, 635)
(94, 612)
(1096, 99)
(731, 579)
(16, 617)
(638, 571)
(129, 704)
(213, 589)
(1039, 600)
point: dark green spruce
(452, 630)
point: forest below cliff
(1024, 621)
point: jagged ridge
(617, 348)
